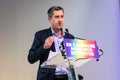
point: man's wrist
(44, 47)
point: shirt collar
(53, 32)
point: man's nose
(60, 19)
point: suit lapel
(53, 45)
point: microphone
(62, 49)
(61, 29)
(67, 30)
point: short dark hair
(52, 9)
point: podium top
(56, 60)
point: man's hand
(48, 42)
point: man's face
(57, 19)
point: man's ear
(49, 19)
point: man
(48, 40)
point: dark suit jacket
(38, 53)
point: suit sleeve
(37, 51)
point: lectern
(73, 53)
(79, 51)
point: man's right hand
(48, 42)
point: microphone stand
(69, 72)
